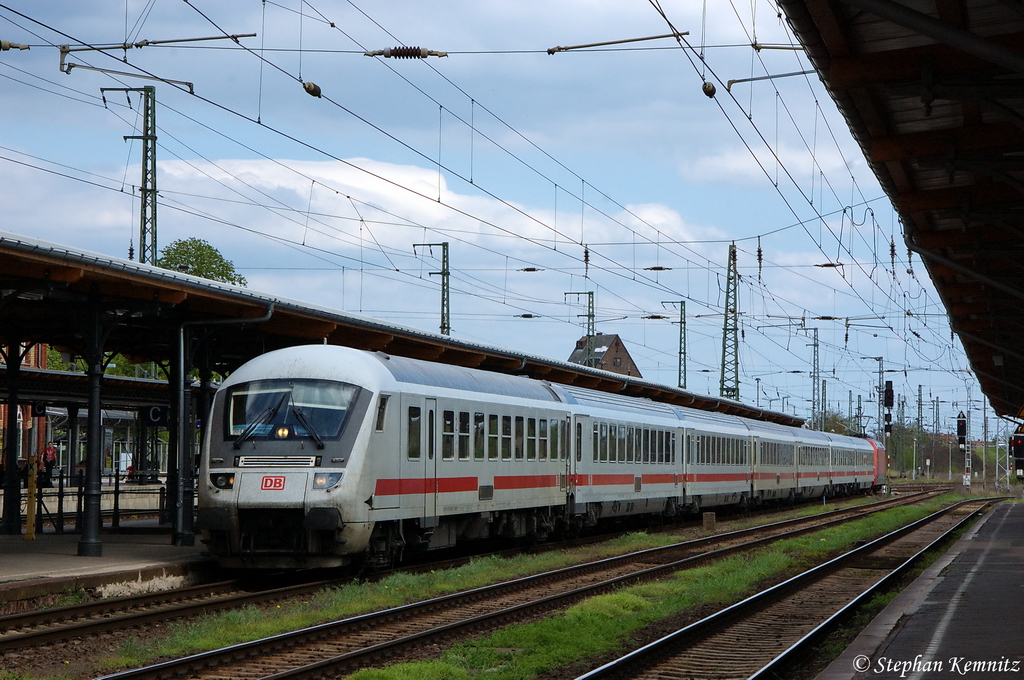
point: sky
(595, 169)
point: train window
(629, 444)
(479, 436)
(597, 440)
(579, 442)
(622, 443)
(463, 435)
(413, 430)
(531, 439)
(431, 434)
(647, 446)
(287, 409)
(448, 435)
(382, 409)
(542, 439)
(662, 446)
(604, 442)
(492, 437)
(519, 437)
(563, 439)
(553, 438)
(613, 443)
(506, 437)
(672, 445)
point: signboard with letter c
(155, 415)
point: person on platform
(49, 458)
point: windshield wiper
(261, 419)
(304, 421)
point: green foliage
(836, 422)
(197, 257)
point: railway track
(343, 646)
(780, 623)
(23, 630)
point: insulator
(406, 52)
(892, 254)
(311, 88)
(708, 89)
(760, 257)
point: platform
(51, 562)
(961, 618)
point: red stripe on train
(525, 481)
(402, 487)
(723, 477)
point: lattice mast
(591, 326)
(445, 274)
(817, 386)
(147, 189)
(682, 344)
(729, 385)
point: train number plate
(272, 483)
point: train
(319, 456)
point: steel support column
(12, 446)
(184, 531)
(90, 545)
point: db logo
(272, 483)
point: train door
(688, 465)
(415, 483)
(576, 481)
(430, 460)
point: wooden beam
(936, 143)
(949, 199)
(360, 338)
(14, 268)
(882, 69)
(461, 357)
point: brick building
(610, 354)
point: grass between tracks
(599, 625)
(604, 623)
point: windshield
(287, 409)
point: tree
(197, 257)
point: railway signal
(961, 438)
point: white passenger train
(319, 455)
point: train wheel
(695, 505)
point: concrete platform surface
(962, 618)
(51, 561)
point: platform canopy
(56, 295)
(934, 93)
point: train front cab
(276, 469)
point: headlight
(222, 480)
(326, 480)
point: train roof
(431, 374)
(618, 402)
